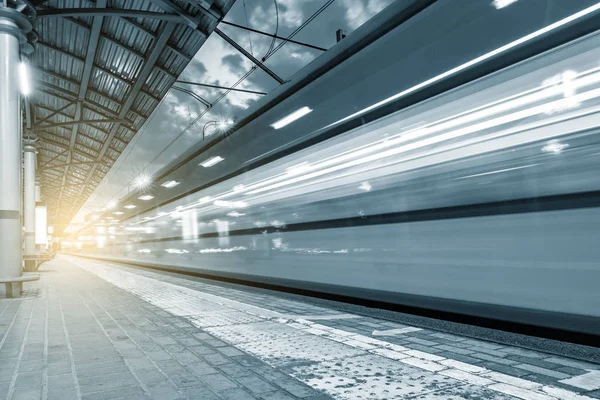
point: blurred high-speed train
(443, 157)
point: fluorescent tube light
(212, 161)
(291, 118)
(170, 184)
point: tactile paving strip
(369, 377)
(229, 318)
(285, 350)
(316, 348)
(257, 332)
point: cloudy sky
(169, 131)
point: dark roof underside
(100, 74)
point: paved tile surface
(76, 336)
(93, 330)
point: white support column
(10, 151)
(14, 25)
(29, 196)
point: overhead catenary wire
(243, 78)
(248, 24)
(276, 28)
(297, 30)
(186, 129)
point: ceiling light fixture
(502, 3)
(170, 184)
(288, 119)
(212, 161)
(146, 197)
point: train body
(435, 170)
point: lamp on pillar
(222, 125)
(15, 25)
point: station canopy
(101, 68)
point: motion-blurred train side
(483, 199)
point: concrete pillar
(15, 24)
(10, 150)
(29, 196)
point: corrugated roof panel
(111, 154)
(144, 103)
(158, 82)
(125, 135)
(86, 150)
(117, 145)
(88, 143)
(118, 60)
(122, 49)
(128, 34)
(103, 101)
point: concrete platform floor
(96, 330)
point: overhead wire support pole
(194, 95)
(274, 36)
(256, 62)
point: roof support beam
(141, 28)
(152, 58)
(43, 136)
(210, 11)
(168, 6)
(131, 21)
(82, 121)
(254, 60)
(112, 12)
(180, 53)
(67, 95)
(61, 51)
(86, 76)
(68, 164)
(58, 155)
(55, 112)
(101, 69)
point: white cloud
(360, 11)
(290, 12)
(217, 72)
(291, 15)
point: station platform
(97, 330)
